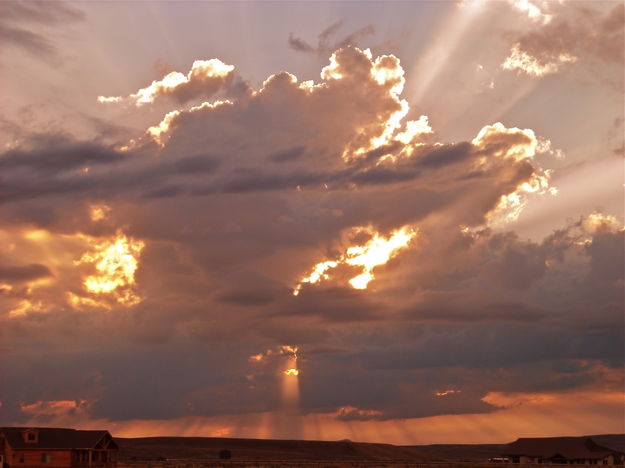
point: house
(562, 450)
(28, 447)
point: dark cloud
(250, 289)
(445, 155)
(327, 41)
(287, 155)
(195, 164)
(500, 345)
(55, 155)
(333, 305)
(59, 166)
(299, 45)
(21, 273)
(444, 309)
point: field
(205, 452)
(208, 448)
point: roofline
(103, 436)
(104, 432)
(26, 428)
(56, 448)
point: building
(29, 447)
(562, 450)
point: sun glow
(378, 250)
(290, 387)
(115, 260)
(291, 352)
(533, 11)
(37, 235)
(99, 212)
(317, 274)
(26, 306)
(257, 357)
(598, 222)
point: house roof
(54, 438)
(550, 447)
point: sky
(392, 222)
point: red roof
(54, 438)
(554, 447)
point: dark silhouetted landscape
(208, 448)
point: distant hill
(260, 449)
(480, 452)
(461, 452)
(613, 441)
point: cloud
(524, 62)
(17, 20)
(351, 413)
(22, 273)
(374, 252)
(287, 155)
(575, 34)
(51, 154)
(205, 79)
(216, 213)
(251, 290)
(325, 42)
(533, 11)
(58, 412)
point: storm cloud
(183, 260)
